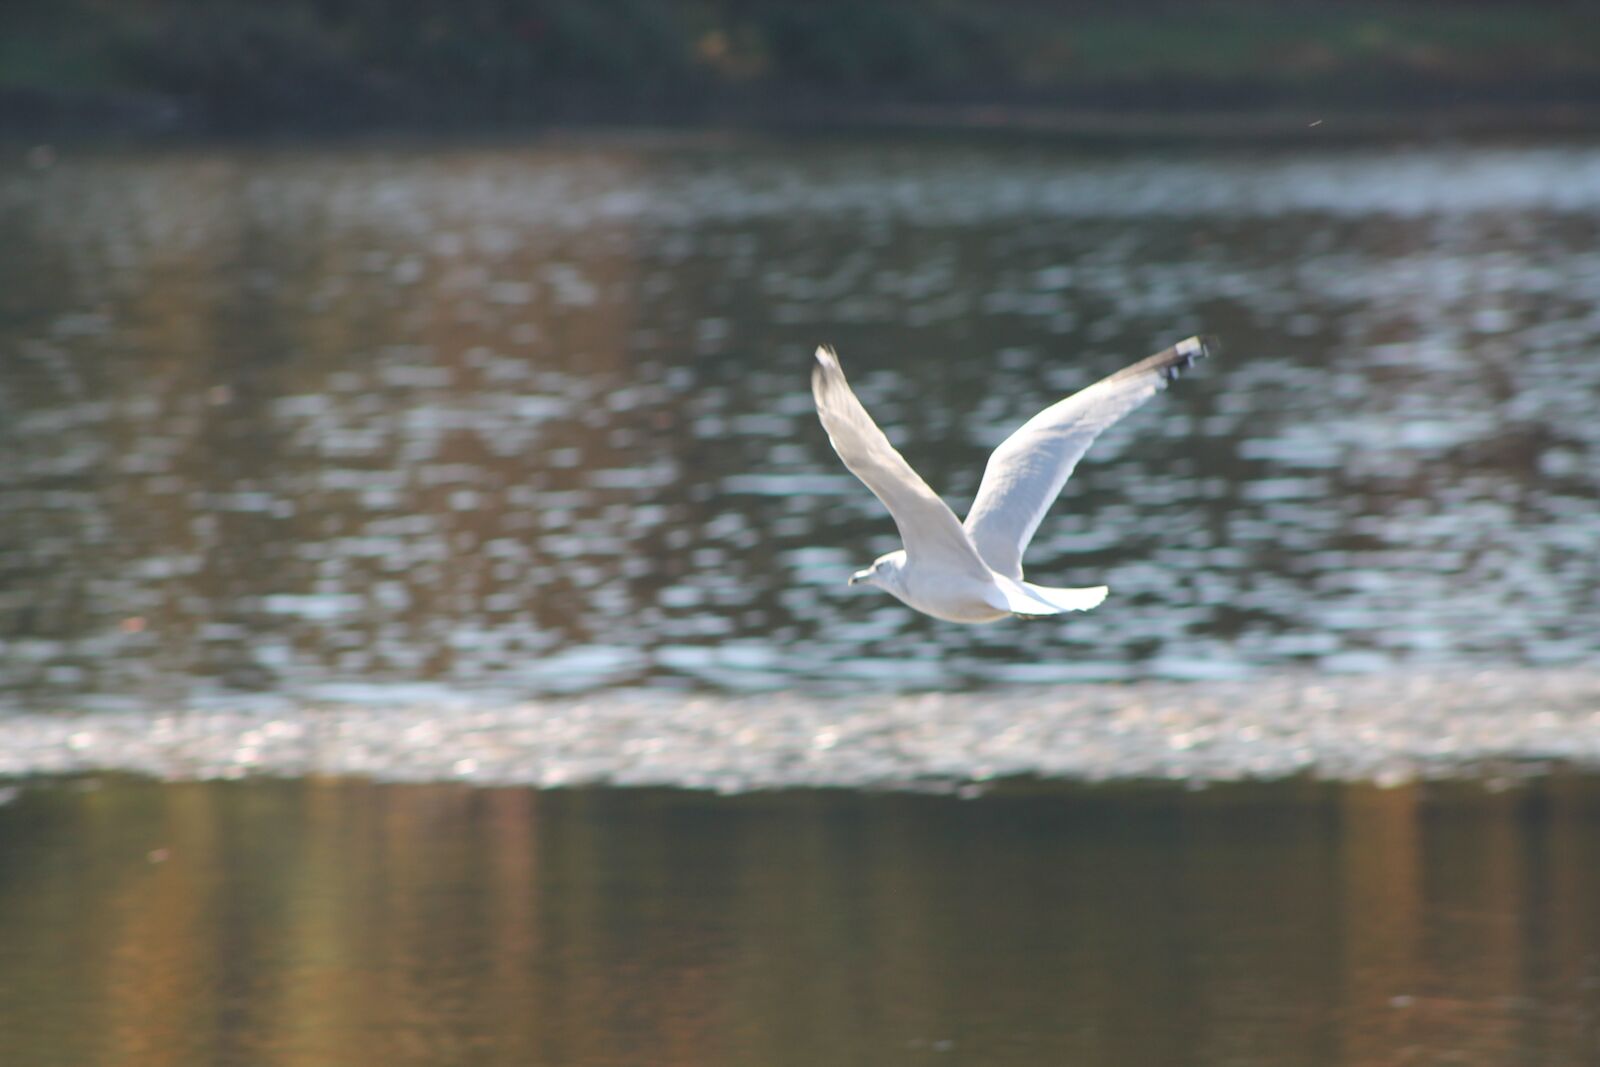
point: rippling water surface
(345, 423)
(399, 463)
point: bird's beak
(860, 576)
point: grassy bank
(310, 64)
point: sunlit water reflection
(1298, 925)
(387, 423)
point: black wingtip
(1185, 354)
(1167, 365)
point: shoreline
(29, 117)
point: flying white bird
(972, 572)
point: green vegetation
(245, 63)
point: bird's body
(930, 589)
(934, 589)
(972, 572)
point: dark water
(323, 923)
(331, 423)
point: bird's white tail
(1024, 598)
(1068, 599)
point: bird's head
(884, 572)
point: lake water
(498, 464)
(406, 423)
(323, 923)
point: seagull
(972, 572)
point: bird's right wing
(928, 527)
(1025, 474)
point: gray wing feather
(928, 527)
(1025, 474)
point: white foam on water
(1383, 727)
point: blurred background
(536, 418)
(302, 65)
(407, 391)
(353, 349)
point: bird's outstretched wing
(1026, 473)
(928, 527)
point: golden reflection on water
(338, 922)
(283, 441)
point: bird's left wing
(930, 530)
(1025, 474)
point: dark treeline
(248, 63)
